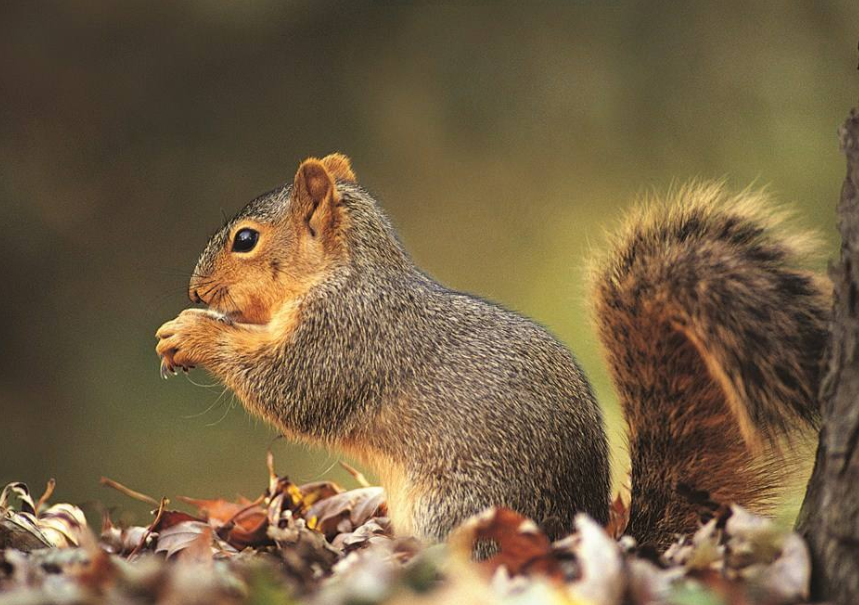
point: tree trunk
(829, 518)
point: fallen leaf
(63, 524)
(347, 511)
(169, 518)
(520, 542)
(319, 490)
(19, 531)
(20, 491)
(218, 511)
(60, 526)
(241, 524)
(376, 528)
(192, 536)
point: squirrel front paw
(188, 340)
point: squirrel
(319, 321)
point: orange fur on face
(244, 285)
(292, 254)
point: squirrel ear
(314, 196)
(340, 167)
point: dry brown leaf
(218, 512)
(193, 536)
(319, 490)
(347, 510)
(19, 531)
(248, 530)
(241, 523)
(169, 518)
(378, 528)
(735, 558)
(521, 544)
(22, 492)
(61, 525)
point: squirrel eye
(245, 240)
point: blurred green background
(501, 139)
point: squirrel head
(278, 247)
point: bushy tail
(714, 336)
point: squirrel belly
(334, 336)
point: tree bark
(829, 518)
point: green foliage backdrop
(501, 139)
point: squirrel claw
(166, 369)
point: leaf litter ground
(321, 544)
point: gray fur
(490, 409)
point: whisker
(232, 301)
(204, 284)
(203, 386)
(168, 294)
(224, 415)
(218, 296)
(217, 400)
(318, 476)
(207, 292)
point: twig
(130, 492)
(269, 462)
(149, 529)
(49, 490)
(356, 474)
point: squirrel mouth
(229, 316)
(249, 314)
(235, 316)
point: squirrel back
(714, 337)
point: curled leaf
(347, 511)
(194, 538)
